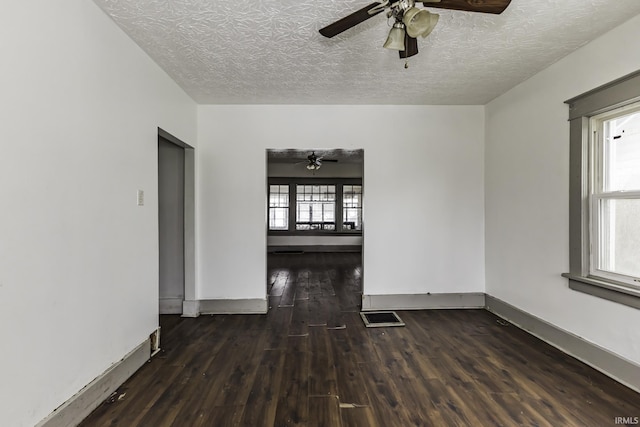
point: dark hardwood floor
(311, 362)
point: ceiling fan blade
(484, 6)
(350, 21)
(326, 160)
(410, 47)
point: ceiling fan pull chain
(406, 64)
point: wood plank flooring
(311, 362)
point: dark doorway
(171, 199)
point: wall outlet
(140, 197)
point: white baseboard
(170, 305)
(615, 366)
(233, 306)
(190, 308)
(79, 406)
(422, 301)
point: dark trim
(616, 94)
(426, 301)
(172, 139)
(340, 208)
(610, 290)
(293, 196)
(313, 233)
(234, 306)
(189, 213)
(314, 181)
(579, 196)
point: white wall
(80, 108)
(314, 241)
(423, 192)
(328, 170)
(527, 177)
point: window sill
(608, 290)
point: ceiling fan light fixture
(419, 22)
(395, 40)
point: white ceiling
(270, 51)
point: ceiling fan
(409, 21)
(315, 162)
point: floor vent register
(381, 319)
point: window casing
(604, 197)
(315, 206)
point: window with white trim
(615, 195)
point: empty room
(332, 213)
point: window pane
(619, 236)
(278, 207)
(278, 219)
(621, 155)
(352, 207)
(315, 207)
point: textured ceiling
(270, 51)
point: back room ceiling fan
(409, 20)
(314, 162)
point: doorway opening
(315, 206)
(176, 225)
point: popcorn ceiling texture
(270, 51)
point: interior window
(315, 207)
(352, 207)
(278, 207)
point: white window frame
(615, 95)
(598, 194)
